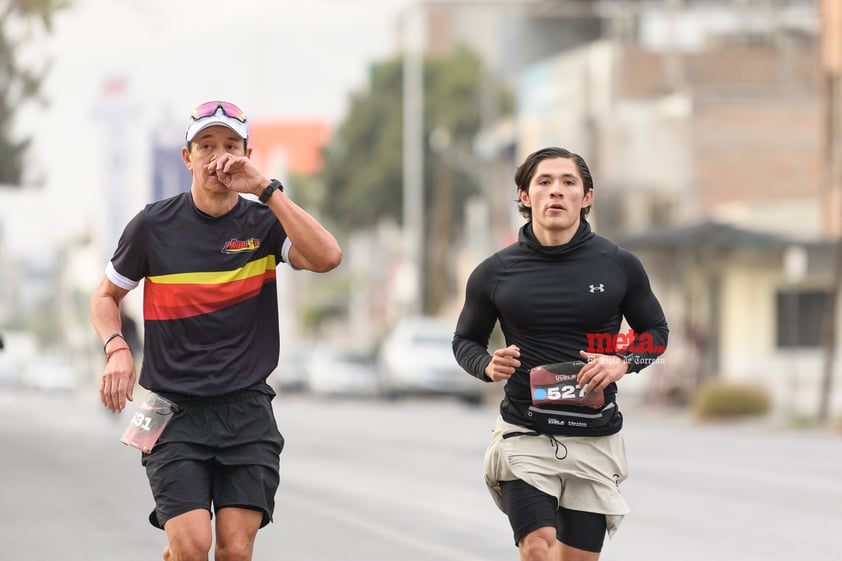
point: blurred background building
(712, 129)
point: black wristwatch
(267, 192)
(629, 359)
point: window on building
(800, 317)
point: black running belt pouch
(559, 403)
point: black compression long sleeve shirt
(553, 302)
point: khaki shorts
(584, 472)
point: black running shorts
(529, 509)
(217, 453)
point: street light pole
(413, 159)
(412, 278)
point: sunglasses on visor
(209, 108)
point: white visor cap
(218, 118)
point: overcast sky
(282, 56)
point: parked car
(52, 373)
(293, 371)
(416, 358)
(19, 350)
(340, 373)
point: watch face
(267, 192)
(273, 186)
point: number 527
(565, 392)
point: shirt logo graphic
(597, 288)
(238, 246)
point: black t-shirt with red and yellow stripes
(210, 304)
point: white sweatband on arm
(285, 252)
(118, 279)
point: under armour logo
(597, 288)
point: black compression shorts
(221, 452)
(529, 509)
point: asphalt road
(369, 480)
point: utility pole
(831, 59)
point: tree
(21, 22)
(362, 176)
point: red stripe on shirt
(166, 301)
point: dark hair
(524, 173)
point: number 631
(142, 421)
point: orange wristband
(108, 356)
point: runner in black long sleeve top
(560, 293)
(548, 300)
